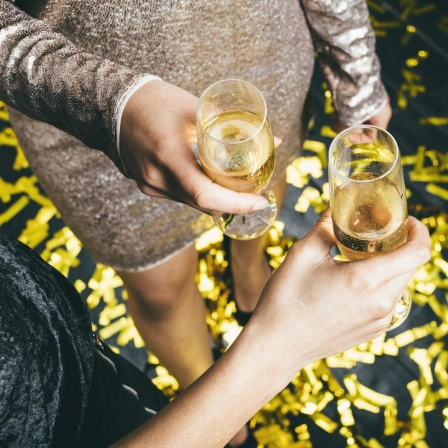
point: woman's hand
(314, 306)
(380, 119)
(157, 128)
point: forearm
(44, 76)
(215, 407)
(345, 43)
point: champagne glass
(368, 200)
(236, 150)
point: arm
(44, 76)
(345, 43)
(312, 307)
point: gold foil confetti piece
(231, 334)
(37, 229)
(359, 356)
(390, 420)
(130, 334)
(345, 412)
(438, 191)
(275, 251)
(20, 162)
(441, 331)
(326, 398)
(402, 101)
(327, 131)
(390, 348)
(443, 24)
(8, 137)
(410, 31)
(438, 308)
(115, 349)
(358, 390)
(113, 328)
(324, 422)
(364, 405)
(319, 148)
(4, 116)
(302, 432)
(328, 104)
(424, 9)
(434, 121)
(79, 285)
(380, 27)
(412, 62)
(310, 197)
(109, 313)
(376, 7)
(63, 260)
(210, 237)
(6, 190)
(14, 209)
(298, 171)
(166, 382)
(424, 358)
(205, 283)
(376, 345)
(440, 368)
(411, 84)
(103, 283)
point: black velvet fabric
(58, 388)
(46, 353)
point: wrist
(120, 110)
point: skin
(164, 301)
(332, 306)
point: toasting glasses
(236, 150)
(367, 196)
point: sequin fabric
(65, 64)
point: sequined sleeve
(345, 43)
(43, 75)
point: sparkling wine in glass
(368, 198)
(236, 150)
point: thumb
(315, 246)
(218, 199)
(321, 236)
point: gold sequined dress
(65, 65)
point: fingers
(404, 260)
(382, 118)
(215, 199)
(322, 235)
(314, 248)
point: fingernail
(277, 141)
(260, 205)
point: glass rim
(265, 115)
(363, 126)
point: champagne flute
(236, 150)
(367, 197)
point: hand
(380, 119)
(157, 129)
(314, 306)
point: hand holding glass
(368, 200)
(236, 150)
